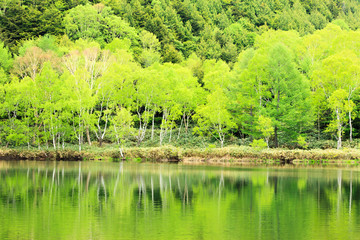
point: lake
(103, 200)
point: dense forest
(266, 73)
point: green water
(55, 200)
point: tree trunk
(276, 137)
(350, 125)
(276, 127)
(162, 128)
(339, 129)
(170, 134)
(88, 135)
(152, 127)
(181, 123)
(121, 152)
(58, 140)
(54, 141)
(221, 137)
(187, 123)
(318, 123)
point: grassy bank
(228, 155)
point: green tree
(289, 106)
(6, 60)
(213, 118)
(339, 104)
(97, 23)
(114, 90)
(123, 127)
(339, 71)
(265, 127)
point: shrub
(258, 144)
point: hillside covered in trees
(213, 29)
(275, 73)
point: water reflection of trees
(264, 201)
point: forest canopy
(275, 72)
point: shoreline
(237, 155)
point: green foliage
(265, 127)
(259, 144)
(97, 23)
(213, 29)
(230, 70)
(5, 57)
(213, 118)
(290, 108)
(301, 140)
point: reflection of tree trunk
(318, 196)
(251, 195)
(142, 184)
(186, 193)
(350, 194)
(98, 193)
(339, 190)
(58, 177)
(79, 177)
(170, 183)
(275, 185)
(178, 181)
(79, 182)
(52, 183)
(88, 181)
(36, 192)
(277, 221)
(221, 185)
(118, 177)
(139, 193)
(161, 182)
(103, 184)
(152, 190)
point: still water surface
(90, 200)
